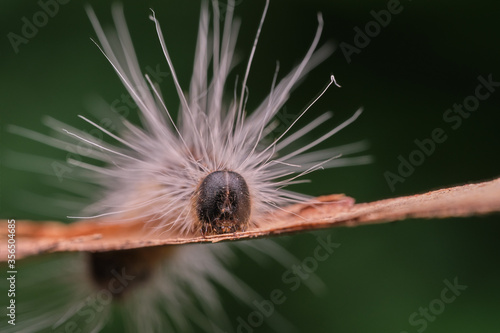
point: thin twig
(323, 212)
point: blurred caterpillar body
(214, 170)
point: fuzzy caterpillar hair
(157, 172)
(142, 181)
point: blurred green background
(427, 59)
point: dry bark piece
(101, 235)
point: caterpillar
(215, 169)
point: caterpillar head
(222, 203)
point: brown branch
(336, 210)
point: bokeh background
(428, 58)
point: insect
(214, 170)
(223, 203)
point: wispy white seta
(154, 169)
(151, 171)
(182, 293)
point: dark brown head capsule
(223, 203)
